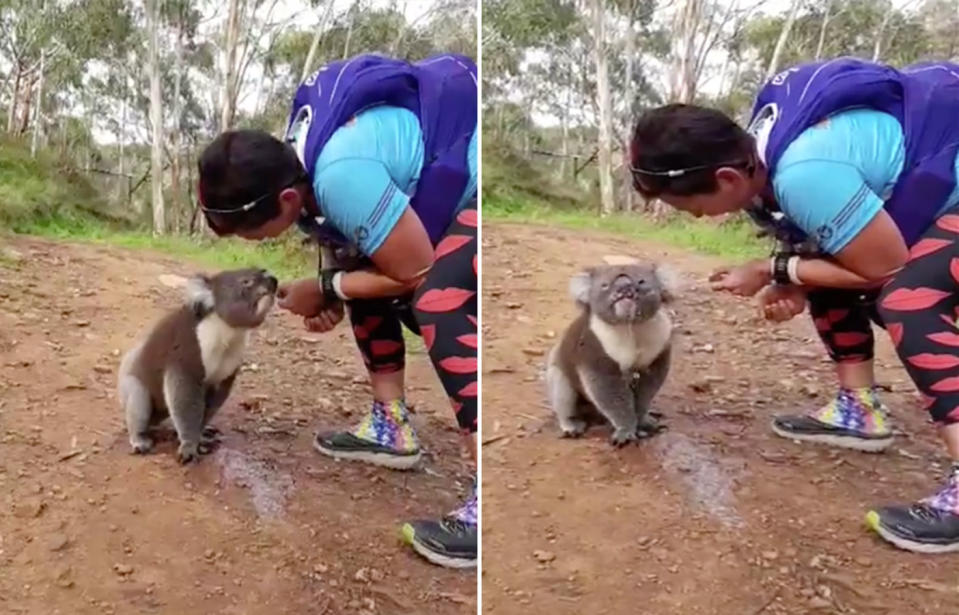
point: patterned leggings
(919, 307)
(442, 310)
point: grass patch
(284, 257)
(732, 239)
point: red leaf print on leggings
(468, 340)
(472, 319)
(467, 217)
(468, 391)
(835, 316)
(451, 244)
(429, 334)
(954, 415)
(926, 247)
(945, 338)
(949, 223)
(912, 299)
(927, 360)
(895, 332)
(946, 385)
(446, 300)
(382, 348)
(847, 339)
(459, 365)
(954, 269)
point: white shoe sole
(857, 444)
(439, 559)
(872, 520)
(442, 560)
(394, 462)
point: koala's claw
(649, 427)
(210, 432)
(187, 453)
(573, 428)
(622, 437)
(142, 446)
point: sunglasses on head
(245, 207)
(748, 165)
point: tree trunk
(315, 45)
(684, 75)
(177, 126)
(228, 100)
(627, 188)
(15, 97)
(38, 109)
(877, 46)
(822, 30)
(781, 43)
(156, 118)
(605, 108)
(349, 33)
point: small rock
(701, 386)
(819, 603)
(81, 323)
(770, 555)
(362, 575)
(514, 305)
(123, 569)
(533, 352)
(320, 568)
(376, 575)
(864, 561)
(58, 541)
(544, 556)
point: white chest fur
(221, 348)
(633, 346)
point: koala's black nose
(272, 282)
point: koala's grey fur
(615, 355)
(185, 366)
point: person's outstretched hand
(781, 303)
(745, 280)
(302, 297)
(326, 320)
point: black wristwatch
(326, 286)
(781, 268)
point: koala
(615, 355)
(185, 365)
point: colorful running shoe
(928, 526)
(855, 419)
(384, 437)
(450, 541)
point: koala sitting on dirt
(615, 355)
(185, 366)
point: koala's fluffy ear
(199, 294)
(670, 280)
(579, 286)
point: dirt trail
(265, 525)
(717, 515)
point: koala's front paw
(573, 428)
(188, 451)
(141, 445)
(622, 437)
(649, 427)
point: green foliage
(41, 189)
(731, 240)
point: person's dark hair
(676, 149)
(240, 168)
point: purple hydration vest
(923, 97)
(441, 90)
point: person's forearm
(371, 284)
(822, 273)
